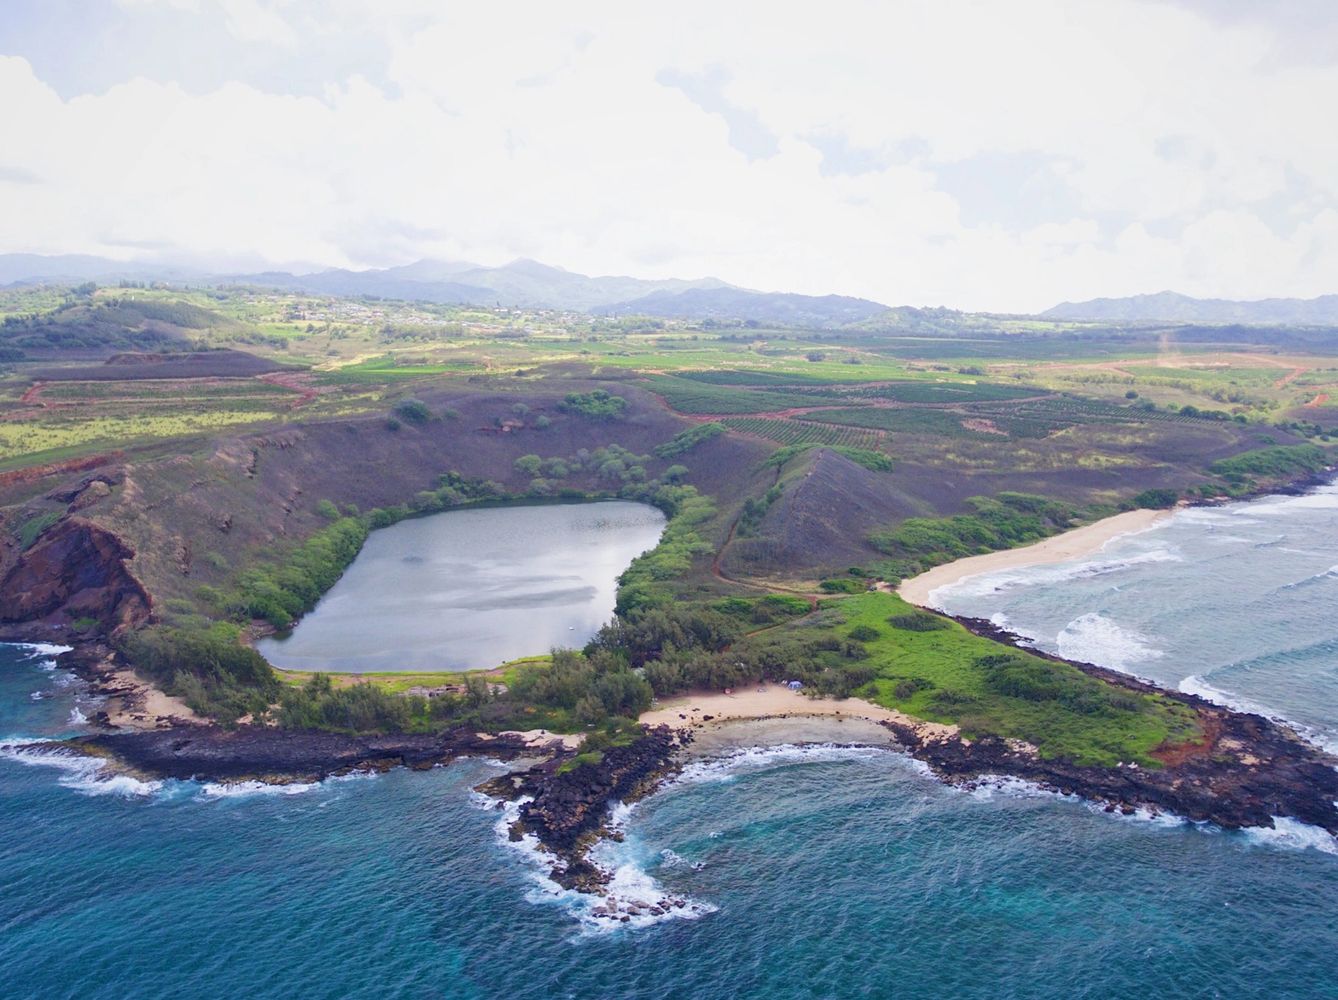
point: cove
(471, 589)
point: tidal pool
(470, 589)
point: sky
(985, 155)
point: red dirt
(1177, 754)
(35, 472)
(1319, 400)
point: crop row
(789, 432)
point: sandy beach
(143, 706)
(772, 701)
(1069, 545)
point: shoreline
(1075, 543)
(695, 710)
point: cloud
(965, 153)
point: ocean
(810, 871)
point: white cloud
(542, 130)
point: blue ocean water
(1237, 603)
(813, 872)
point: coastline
(1073, 544)
(696, 710)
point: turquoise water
(815, 872)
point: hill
(1172, 307)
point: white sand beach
(1073, 544)
(774, 701)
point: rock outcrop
(76, 570)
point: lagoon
(471, 589)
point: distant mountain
(1172, 307)
(729, 303)
(521, 283)
(31, 268)
(339, 282)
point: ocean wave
(86, 775)
(632, 898)
(40, 648)
(1094, 638)
(77, 718)
(1292, 834)
(1194, 684)
(212, 790)
(730, 766)
(984, 584)
(1310, 580)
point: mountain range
(1172, 307)
(521, 283)
(530, 284)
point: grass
(57, 434)
(938, 675)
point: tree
(529, 465)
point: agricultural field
(795, 432)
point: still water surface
(472, 588)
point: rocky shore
(279, 756)
(567, 808)
(1246, 771)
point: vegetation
(596, 405)
(962, 400)
(1278, 462)
(685, 441)
(1004, 521)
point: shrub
(413, 410)
(864, 633)
(1156, 498)
(919, 621)
(596, 405)
(843, 586)
(689, 439)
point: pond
(471, 589)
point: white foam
(631, 899)
(1292, 834)
(87, 775)
(1094, 638)
(77, 718)
(1326, 740)
(246, 789)
(40, 648)
(984, 584)
(729, 766)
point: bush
(843, 586)
(919, 621)
(689, 439)
(1156, 499)
(596, 405)
(864, 633)
(413, 410)
(207, 665)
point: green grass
(1278, 462)
(938, 675)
